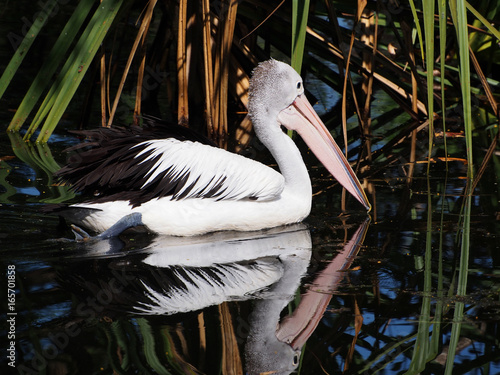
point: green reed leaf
(428, 10)
(463, 44)
(25, 45)
(52, 62)
(78, 63)
(483, 20)
(300, 12)
(417, 25)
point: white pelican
(180, 185)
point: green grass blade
(53, 61)
(442, 54)
(428, 10)
(459, 14)
(43, 111)
(484, 21)
(463, 44)
(150, 351)
(64, 74)
(300, 12)
(79, 62)
(462, 283)
(440, 302)
(422, 350)
(25, 45)
(8, 189)
(417, 24)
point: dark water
(337, 294)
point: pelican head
(276, 97)
(273, 87)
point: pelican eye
(299, 86)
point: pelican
(179, 184)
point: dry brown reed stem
(140, 74)
(138, 95)
(484, 82)
(102, 80)
(242, 82)
(216, 76)
(358, 323)
(484, 164)
(347, 78)
(142, 30)
(494, 106)
(400, 94)
(178, 358)
(222, 58)
(180, 333)
(264, 20)
(208, 66)
(332, 16)
(344, 91)
(103, 87)
(231, 360)
(203, 340)
(111, 72)
(182, 68)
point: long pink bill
(301, 117)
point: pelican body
(177, 183)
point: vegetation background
(418, 80)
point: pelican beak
(301, 117)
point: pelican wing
(138, 169)
(185, 169)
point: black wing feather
(106, 165)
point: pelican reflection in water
(174, 275)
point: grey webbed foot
(126, 222)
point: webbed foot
(126, 222)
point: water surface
(342, 293)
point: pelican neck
(288, 158)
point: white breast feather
(205, 167)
